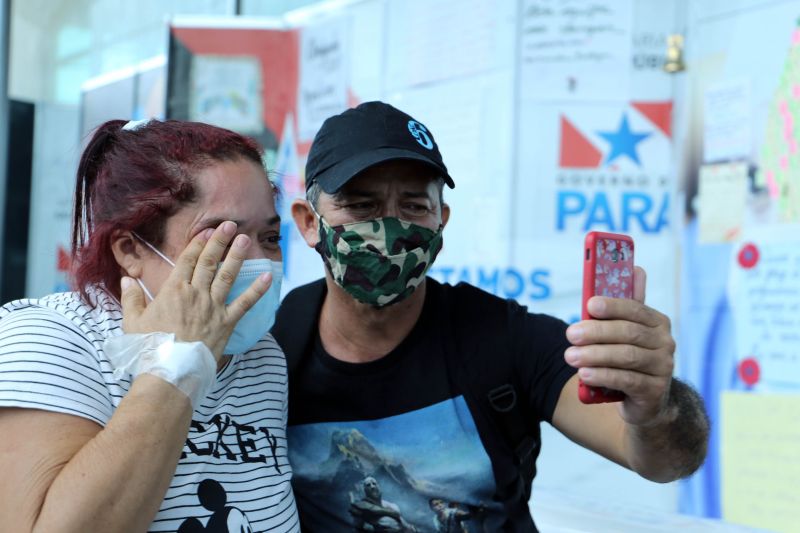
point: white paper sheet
(322, 91)
(765, 298)
(577, 50)
(726, 122)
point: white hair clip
(134, 125)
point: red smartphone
(607, 271)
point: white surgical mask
(259, 319)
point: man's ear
(445, 214)
(306, 221)
(127, 252)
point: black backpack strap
(515, 425)
(479, 324)
(296, 321)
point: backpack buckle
(503, 398)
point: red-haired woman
(179, 423)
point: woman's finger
(242, 304)
(186, 261)
(206, 267)
(223, 281)
(132, 301)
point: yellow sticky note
(760, 458)
(721, 201)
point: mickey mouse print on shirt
(224, 519)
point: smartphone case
(607, 271)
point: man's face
(403, 189)
(371, 488)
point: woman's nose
(256, 252)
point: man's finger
(246, 300)
(589, 332)
(630, 382)
(212, 254)
(639, 284)
(620, 356)
(605, 308)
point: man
(373, 513)
(450, 518)
(439, 390)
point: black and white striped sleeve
(47, 363)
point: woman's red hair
(134, 180)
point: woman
(179, 424)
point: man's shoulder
(315, 289)
(297, 317)
(299, 301)
(464, 298)
(468, 304)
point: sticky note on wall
(721, 201)
(760, 459)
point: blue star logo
(623, 141)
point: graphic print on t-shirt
(421, 471)
(52, 358)
(224, 519)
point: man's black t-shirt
(400, 444)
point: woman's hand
(191, 302)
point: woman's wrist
(189, 366)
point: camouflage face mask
(378, 262)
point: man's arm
(674, 446)
(661, 429)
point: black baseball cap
(364, 136)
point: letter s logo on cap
(420, 134)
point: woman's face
(231, 190)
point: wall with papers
(556, 118)
(740, 298)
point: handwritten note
(726, 122)
(760, 460)
(430, 42)
(723, 191)
(322, 91)
(765, 298)
(578, 50)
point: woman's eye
(271, 240)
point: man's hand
(628, 348)
(661, 428)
